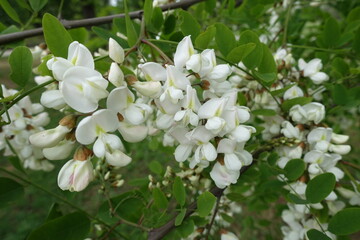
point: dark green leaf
(186, 228)
(286, 105)
(157, 18)
(205, 203)
(266, 78)
(169, 24)
(254, 58)
(356, 41)
(189, 25)
(225, 39)
(267, 64)
(156, 167)
(148, 10)
(314, 234)
(202, 41)
(345, 222)
(240, 52)
(74, 226)
(179, 218)
(295, 199)
(179, 191)
(37, 5)
(9, 191)
(56, 36)
(105, 34)
(294, 169)
(15, 161)
(130, 29)
(241, 99)
(10, 11)
(130, 209)
(331, 33)
(54, 212)
(160, 200)
(340, 94)
(320, 187)
(20, 61)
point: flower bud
(116, 52)
(116, 76)
(148, 89)
(75, 175)
(69, 121)
(130, 79)
(82, 153)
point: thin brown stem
(156, 48)
(213, 217)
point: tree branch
(159, 233)
(69, 24)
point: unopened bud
(205, 85)
(107, 175)
(70, 136)
(301, 127)
(69, 121)
(82, 153)
(131, 79)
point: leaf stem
(156, 48)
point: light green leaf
(37, 5)
(186, 228)
(240, 52)
(56, 36)
(148, 10)
(9, 191)
(73, 226)
(79, 34)
(130, 29)
(202, 41)
(345, 222)
(156, 167)
(314, 234)
(20, 61)
(157, 18)
(286, 105)
(10, 11)
(179, 191)
(179, 218)
(225, 39)
(320, 187)
(106, 34)
(189, 25)
(267, 64)
(160, 200)
(294, 169)
(205, 203)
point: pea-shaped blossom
(176, 82)
(83, 88)
(234, 154)
(309, 112)
(312, 70)
(95, 128)
(222, 176)
(184, 51)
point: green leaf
(241, 99)
(42, 68)
(148, 10)
(225, 39)
(356, 42)
(15, 161)
(345, 222)
(54, 212)
(267, 64)
(160, 200)
(340, 94)
(240, 52)
(105, 34)
(294, 169)
(297, 200)
(79, 34)
(130, 209)
(254, 58)
(20, 61)
(264, 112)
(9, 191)
(286, 105)
(156, 167)
(56, 36)
(205, 203)
(157, 18)
(10, 11)
(331, 33)
(202, 41)
(169, 24)
(130, 29)
(320, 187)
(266, 78)
(314, 234)
(37, 5)
(179, 218)
(189, 25)
(282, 90)
(186, 228)
(73, 226)
(179, 191)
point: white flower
(78, 55)
(309, 112)
(75, 175)
(61, 151)
(148, 89)
(222, 176)
(116, 52)
(228, 236)
(83, 88)
(175, 83)
(234, 158)
(132, 133)
(153, 71)
(49, 138)
(204, 63)
(293, 92)
(53, 99)
(184, 51)
(312, 70)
